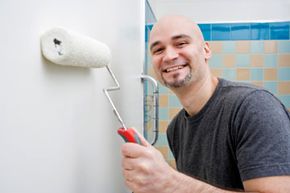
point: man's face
(178, 54)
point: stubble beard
(178, 83)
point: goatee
(178, 83)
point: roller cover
(64, 47)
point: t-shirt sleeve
(262, 136)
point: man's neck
(195, 96)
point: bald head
(176, 25)
(179, 53)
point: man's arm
(275, 184)
(146, 171)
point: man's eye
(181, 44)
(158, 51)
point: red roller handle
(129, 135)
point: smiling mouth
(174, 68)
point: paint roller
(67, 48)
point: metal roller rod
(113, 88)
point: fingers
(134, 150)
(133, 180)
(128, 175)
(144, 142)
(129, 180)
(130, 183)
(128, 163)
(135, 163)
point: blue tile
(285, 99)
(221, 32)
(271, 86)
(270, 60)
(163, 89)
(173, 101)
(257, 47)
(216, 61)
(229, 47)
(162, 139)
(279, 31)
(170, 155)
(150, 26)
(242, 60)
(229, 73)
(206, 31)
(163, 113)
(147, 32)
(284, 73)
(240, 31)
(284, 46)
(260, 31)
(256, 74)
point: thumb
(144, 142)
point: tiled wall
(257, 53)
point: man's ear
(207, 51)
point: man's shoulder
(238, 86)
(250, 97)
(238, 90)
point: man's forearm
(186, 184)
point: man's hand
(145, 169)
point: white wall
(203, 11)
(57, 130)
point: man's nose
(170, 54)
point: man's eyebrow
(180, 36)
(154, 44)
(173, 38)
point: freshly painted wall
(57, 129)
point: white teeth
(174, 68)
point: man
(228, 137)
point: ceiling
(224, 10)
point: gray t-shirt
(243, 132)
